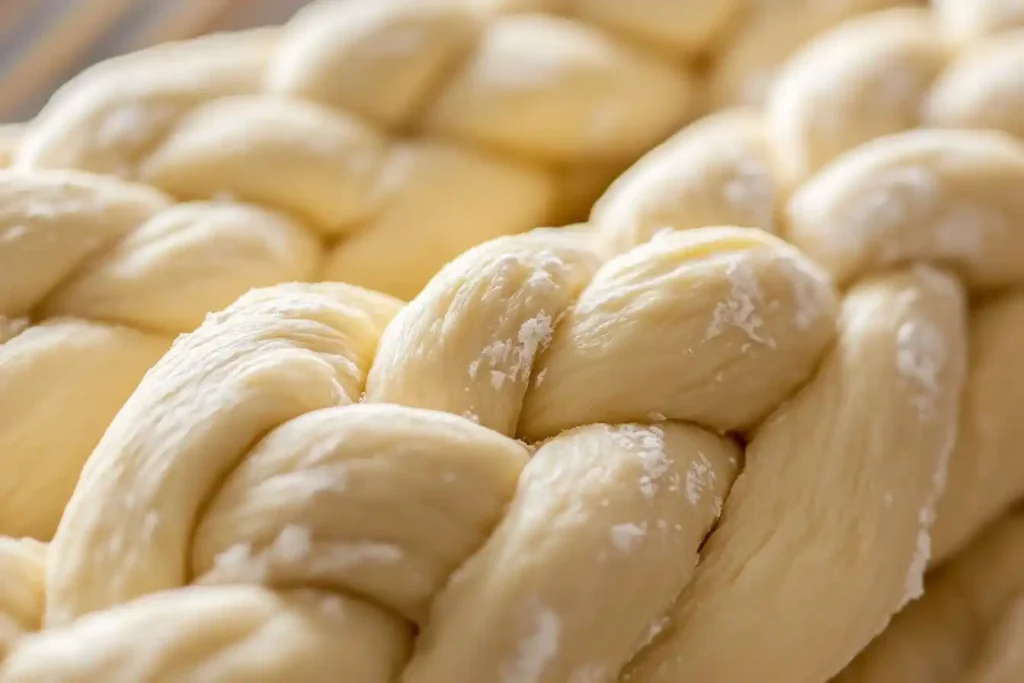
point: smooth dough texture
(366, 141)
(765, 396)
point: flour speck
(536, 651)
(627, 536)
(740, 309)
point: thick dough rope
(22, 566)
(323, 469)
(968, 625)
(113, 270)
(894, 197)
(520, 114)
(9, 135)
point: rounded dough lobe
(468, 343)
(382, 500)
(718, 171)
(287, 154)
(741, 314)
(61, 382)
(184, 262)
(556, 90)
(983, 87)
(413, 234)
(553, 596)
(21, 601)
(986, 472)
(380, 59)
(823, 514)
(864, 79)
(232, 634)
(273, 355)
(924, 195)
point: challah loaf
(937, 194)
(497, 481)
(409, 131)
(350, 471)
(261, 147)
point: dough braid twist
(308, 125)
(408, 131)
(327, 469)
(969, 625)
(246, 434)
(854, 202)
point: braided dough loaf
(855, 202)
(368, 141)
(323, 467)
(326, 481)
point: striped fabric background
(45, 42)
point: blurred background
(45, 42)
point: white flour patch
(512, 360)
(921, 355)
(699, 479)
(914, 587)
(627, 536)
(926, 519)
(741, 308)
(648, 443)
(898, 197)
(536, 651)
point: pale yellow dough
(755, 421)
(366, 141)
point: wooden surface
(45, 42)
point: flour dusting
(699, 478)
(648, 443)
(536, 651)
(921, 355)
(740, 309)
(922, 553)
(512, 360)
(810, 288)
(898, 197)
(926, 518)
(625, 537)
